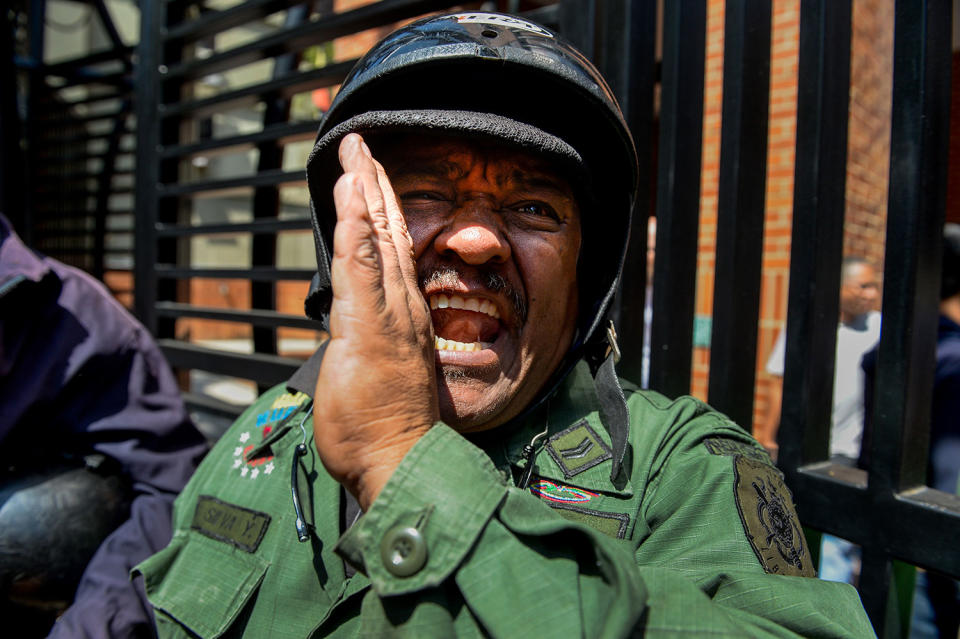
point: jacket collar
(570, 414)
(571, 418)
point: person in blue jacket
(95, 443)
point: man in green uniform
(460, 458)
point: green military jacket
(698, 535)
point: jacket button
(403, 551)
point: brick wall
(868, 148)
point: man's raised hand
(376, 393)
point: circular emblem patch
(770, 520)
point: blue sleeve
(945, 423)
(107, 604)
(106, 387)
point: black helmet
(496, 76)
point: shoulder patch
(730, 447)
(770, 519)
(577, 448)
(234, 525)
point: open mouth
(463, 323)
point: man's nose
(474, 234)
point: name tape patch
(235, 525)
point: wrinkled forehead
(449, 158)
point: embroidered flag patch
(555, 492)
(281, 407)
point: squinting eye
(537, 209)
(420, 195)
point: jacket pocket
(200, 583)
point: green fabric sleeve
(515, 567)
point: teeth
(442, 344)
(469, 304)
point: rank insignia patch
(552, 491)
(577, 448)
(770, 520)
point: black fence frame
(75, 146)
(887, 510)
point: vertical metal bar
(627, 58)
(146, 99)
(816, 245)
(678, 195)
(169, 209)
(108, 25)
(11, 156)
(38, 26)
(578, 19)
(920, 133)
(104, 184)
(740, 207)
(35, 89)
(266, 199)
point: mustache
(450, 277)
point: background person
(936, 604)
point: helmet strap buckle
(612, 345)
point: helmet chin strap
(613, 405)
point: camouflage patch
(611, 524)
(730, 447)
(769, 519)
(577, 448)
(235, 525)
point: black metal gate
(307, 48)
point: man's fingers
(355, 158)
(398, 225)
(356, 271)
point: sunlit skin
(509, 227)
(859, 292)
(481, 209)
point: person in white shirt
(858, 331)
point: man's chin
(468, 405)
